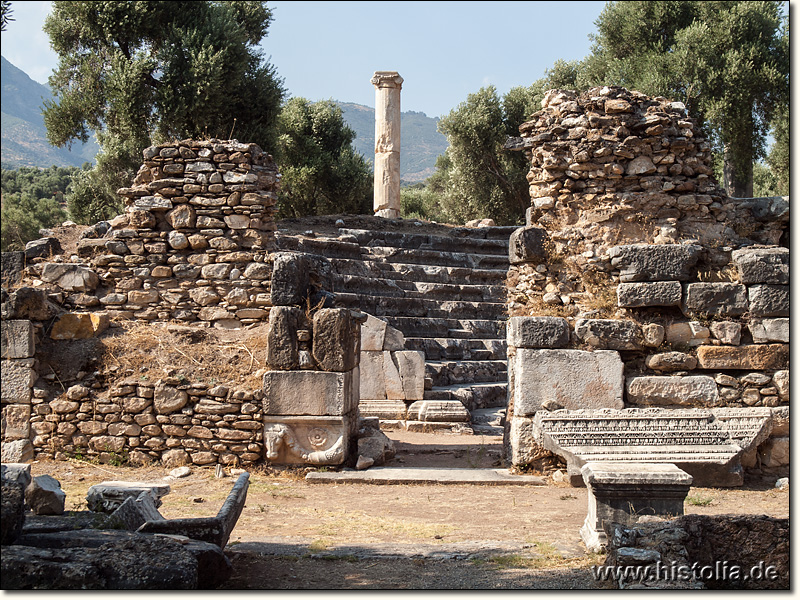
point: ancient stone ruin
(649, 311)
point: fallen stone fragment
(45, 496)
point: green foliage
(31, 200)
(727, 61)
(476, 178)
(321, 173)
(139, 73)
(778, 157)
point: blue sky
(443, 50)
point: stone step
(460, 348)
(418, 273)
(443, 327)
(435, 257)
(495, 416)
(387, 306)
(472, 395)
(329, 247)
(413, 241)
(452, 372)
(413, 289)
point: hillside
(420, 142)
(24, 137)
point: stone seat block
(438, 411)
(215, 530)
(621, 492)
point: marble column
(387, 143)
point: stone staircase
(444, 291)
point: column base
(388, 213)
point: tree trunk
(737, 185)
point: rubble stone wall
(636, 281)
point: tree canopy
(320, 172)
(143, 72)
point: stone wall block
(372, 379)
(528, 245)
(282, 342)
(373, 332)
(314, 393)
(16, 339)
(16, 420)
(18, 377)
(769, 300)
(537, 332)
(168, 399)
(70, 277)
(699, 390)
(657, 293)
(647, 262)
(611, 334)
(718, 299)
(765, 331)
(762, 265)
(753, 357)
(411, 367)
(79, 326)
(595, 379)
(336, 339)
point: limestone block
(780, 421)
(168, 399)
(28, 303)
(42, 248)
(755, 357)
(18, 451)
(383, 409)
(411, 367)
(16, 422)
(727, 332)
(373, 331)
(527, 245)
(16, 473)
(391, 378)
(692, 333)
(70, 277)
(663, 262)
(154, 203)
(775, 452)
(108, 496)
(314, 393)
(45, 496)
(372, 379)
(282, 343)
(438, 411)
(16, 339)
(296, 275)
(769, 330)
(769, 300)
(18, 377)
(393, 339)
(762, 265)
(699, 390)
(780, 379)
(79, 326)
(522, 441)
(671, 361)
(653, 335)
(337, 340)
(314, 440)
(656, 293)
(595, 379)
(720, 299)
(611, 334)
(537, 332)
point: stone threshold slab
(401, 475)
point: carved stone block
(307, 440)
(438, 411)
(282, 343)
(337, 340)
(16, 339)
(648, 262)
(315, 393)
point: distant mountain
(420, 141)
(24, 137)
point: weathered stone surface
(527, 245)
(42, 248)
(79, 326)
(45, 496)
(537, 332)
(438, 411)
(135, 512)
(719, 299)
(12, 267)
(372, 379)
(756, 357)
(762, 265)
(595, 379)
(611, 334)
(311, 440)
(653, 335)
(70, 277)
(167, 399)
(282, 343)
(297, 277)
(28, 303)
(16, 422)
(108, 496)
(671, 361)
(780, 380)
(373, 332)
(16, 473)
(337, 340)
(18, 377)
(12, 511)
(769, 300)
(656, 293)
(692, 333)
(775, 452)
(727, 332)
(16, 339)
(698, 390)
(645, 262)
(769, 330)
(18, 451)
(315, 393)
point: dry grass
(152, 351)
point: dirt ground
(298, 535)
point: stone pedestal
(387, 143)
(621, 492)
